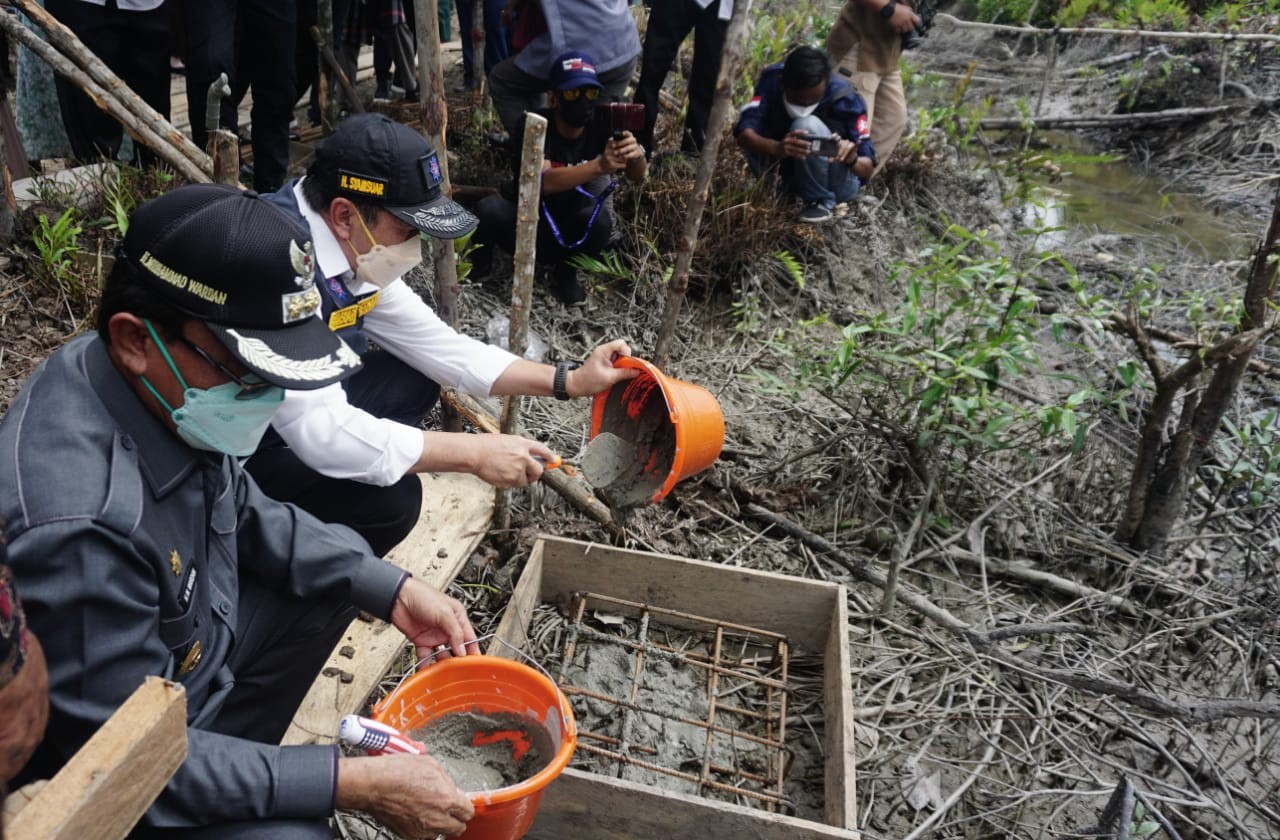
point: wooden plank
(514, 627)
(840, 778)
(778, 603)
(107, 786)
(456, 509)
(580, 804)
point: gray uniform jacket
(603, 28)
(129, 546)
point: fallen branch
(1151, 34)
(573, 490)
(326, 53)
(141, 131)
(64, 43)
(1200, 711)
(1107, 120)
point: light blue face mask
(229, 418)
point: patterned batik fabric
(13, 629)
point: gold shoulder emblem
(175, 562)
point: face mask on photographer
(797, 111)
(230, 418)
(382, 264)
(578, 105)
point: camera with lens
(926, 11)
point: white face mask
(382, 264)
(798, 111)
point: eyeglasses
(251, 385)
(591, 94)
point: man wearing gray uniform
(145, 549)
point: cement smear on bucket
(650, 445)
(680, 690)
(452, 740)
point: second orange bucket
(675, 427)
(489, 684)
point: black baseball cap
(240, 265)
(374, 159)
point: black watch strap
(887, 11)
(561, 379)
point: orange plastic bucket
(686, 441)
(486, 684)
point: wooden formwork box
(812, 614)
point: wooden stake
(138, 113)
(435, 120)
(326, 103)
(111, 781)
(143, 131)
(535, 137)
(326, 53)
(223, 146)
(731, 61)
(477, 34)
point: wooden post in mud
(328, 59)
(535, 138)
(735, 45)
(223, 146)
(477, 35)
(1048, 72)
(434, 116)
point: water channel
(1101, 193)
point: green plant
(56, 246)
(968, 322)
(1248, 458)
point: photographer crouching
(809, 129)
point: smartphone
(824, 146)
(625, 116)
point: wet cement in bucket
(483, 751)
(638, 453)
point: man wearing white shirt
(347, 453)
(670, 22)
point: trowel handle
(376, 738)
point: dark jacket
(841, 109)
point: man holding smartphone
(809, 129)
(588, 144)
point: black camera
(912, 39)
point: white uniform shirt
(724, 12)
(339, 440)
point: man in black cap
(581, 157)
(145, 549)
(350, 455)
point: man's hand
(508, 460)
(25, 705)
(848, 152)
(617, 152)
(598, 373)
(410, 794)
(903, 20)
(429, 618)
(795, 145)
(863, 167)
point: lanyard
(595, 213)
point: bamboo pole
(141, 131)
(138, 112)
(326, 53)
(730, 65)
(535, 138)
(572, 490)
(1153, 34)
(434, 117)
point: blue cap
(574, 69)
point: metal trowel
(606, 458)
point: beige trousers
(886, 109)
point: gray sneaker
(814, 214)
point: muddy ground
(950, 743)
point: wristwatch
(887, 11)
(561, 378)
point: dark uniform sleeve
(752, 115)
(100, 651)
(852, 112)
(296, 554)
